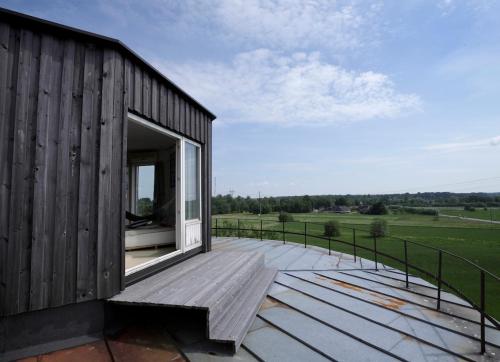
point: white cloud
(282, 24)
(269, 87)
(295, 24)
(446, 6)
(466, 145)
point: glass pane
(145, 191)
(192, 182)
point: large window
(192, 167)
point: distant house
(363, 209)
(341, 209)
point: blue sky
(317, 97)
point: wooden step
(239, 316)
(226, 294)
(228, 285)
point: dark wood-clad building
(105, 169)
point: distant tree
(378, 208)
(469, 208)
(342, 201)
(285, 217)
(253, 206)
(306, 204)
(379, 228)
(266, 208)
(332, 228)
(145, 206)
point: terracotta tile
(144, 344)
(95, 352)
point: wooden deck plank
(161, 280)
(228, 285)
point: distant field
(477, 241)
(479, 213)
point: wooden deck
(228, 285)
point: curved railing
(370, 248)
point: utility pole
(260, 206)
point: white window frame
(198, 220)
(198, 151)
(180, 220)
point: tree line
(225, 204)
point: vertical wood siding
(63, 137)
(151, 97)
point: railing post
(216, 229)
(283, 231)
(260, 229)
(238, 228)
(483, 307)
(329, 248)
(375, 252)
(305, 234)
(354, 242)
(406, 263)
(440, 264)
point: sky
(325, 97)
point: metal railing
(228, 227)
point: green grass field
(489, 214)
(476, 241)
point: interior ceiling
(141, 138)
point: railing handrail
(480, 308)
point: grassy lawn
(476, 241)
(490, 214)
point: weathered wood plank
(203, 124)
(196, 122)
(182, 115)
(201, 128)
(154, 100)
(137, 88)
(146, 94)
(116, 207)
(163, 105)
(74, 176)
(129, 74)
(170, 109)
(104, 232)
(33, 50)
(176, 113)
(87, 236)
(7, 53)
(62, 190)
(17, 234)
(188, 130)
(45, 172)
